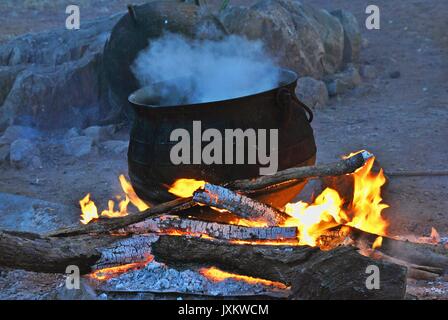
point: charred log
(238, 204)
(422, 254)
(107, 224)
(167, 224)
(313, 274)
(341, 167)
(345, 166)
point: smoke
(194, 71)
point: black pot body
(150, 167)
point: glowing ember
(327, 211)
(280, 242)
(90, 211)
(377, 243)
(216, 275)
(184, 188)
(112, 272)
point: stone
(331, 33)
(286, 31)
(72, 133)
(24, 153)
(303, 38)
(367, 71)
(342, 82)
(312, 92)
(352, 35)
(116, 146)
(22, 213)
(78, 146)
(8, 75)
(13, 133)
(52, 97)
(51, 79)
(395, 74)
(99, 133)
(4, 153)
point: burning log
(107, 225)
(32, 252)
(414, 271)
(313, 274)
(175, 224)
(421, 254)
(339, 273)
(238, 204)
(344, 166)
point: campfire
(344, 218)
(321, 249)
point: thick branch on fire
(344, 166)
(183, 226)
(238, 204)
(106, 225)
(421, 254)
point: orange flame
(327, 211)
(377, 243)
(184, 188)
(90, 211)
(129, 191)
(435, 237)
(217, 275)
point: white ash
(159, 278)
(196, 71)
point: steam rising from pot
(182, 71)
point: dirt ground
(403, 121)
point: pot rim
(288, 77)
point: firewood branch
(238, 204)
(344, 166)
(167, 224)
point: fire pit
(323, 250)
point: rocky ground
(397, 109)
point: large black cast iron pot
(152, 172)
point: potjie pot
(152, 170)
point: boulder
(78, 146)
(342, 82)
(4, 153)
(286, 31)
(99, 133)
(51, 79)
(352, 35)
(116, 146)
(8, 76)
(13, 133)
(367, 71)
(312, 92)
(72, 133)
(331, 34)
(50, 97)
(24, 153)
